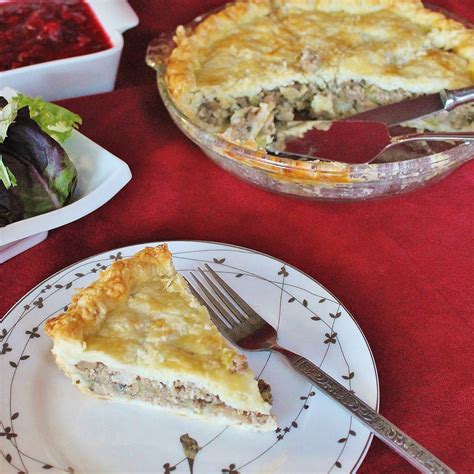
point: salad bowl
(100, 176)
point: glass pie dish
(405, 169)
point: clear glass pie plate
(406, 170)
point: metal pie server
(355, 142)
(363, 137)
(400, 112)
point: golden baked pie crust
(139, 318)
(254, 45)
(89, 306)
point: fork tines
(227, 309)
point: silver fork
(240, 324)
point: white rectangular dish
(100, 176)
(80, 75)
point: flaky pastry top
(259, 44)
(139, 317)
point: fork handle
(386, 431)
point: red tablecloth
(403, 266)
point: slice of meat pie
(138, 335)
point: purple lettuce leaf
(45, 176)
(11, 209)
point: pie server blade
(354, 142)
(400, 112)
(395, 114)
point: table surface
(402, 266)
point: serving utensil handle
(432, 137)
(386, 431)
(455, 98)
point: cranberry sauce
(34, 32)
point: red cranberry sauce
(33, 32)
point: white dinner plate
(47, 424)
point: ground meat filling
(323, 101)
(112, 384)
(259, 118)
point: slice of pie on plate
(138, 335)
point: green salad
(36, 174)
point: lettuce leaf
(11, 209)
(8, 111)
(36, 174)
(54, 120)
(6, 176)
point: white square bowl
(100, 176)
(80, 75)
